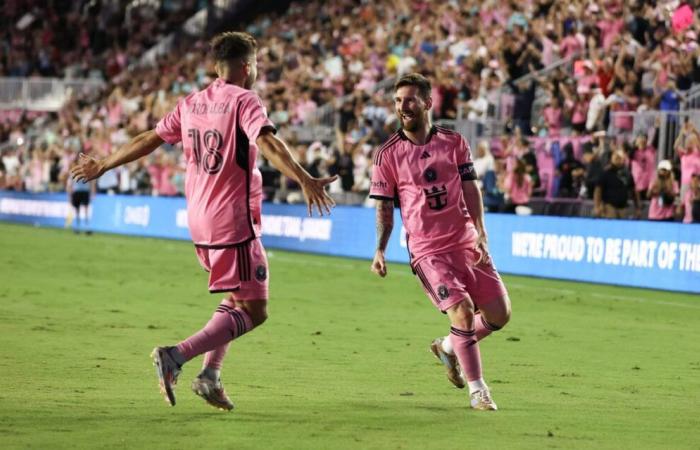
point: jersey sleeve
(253, 116)
(383, 181)
(464, 161)
(169, 127)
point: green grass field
(343, 361)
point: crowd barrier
(640, 253)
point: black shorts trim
(220, 246)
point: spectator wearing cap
(614, 188)
(642, 162)
(689, 208)
(663, 193)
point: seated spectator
(614, 189)
(663, 193)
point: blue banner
(640, 253)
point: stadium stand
(555, 86)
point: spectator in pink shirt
(688, 148)
(689, 208)
(552, 116)
(518, 187)
(643, 161)
(663, 193)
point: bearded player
(221, 127)
(428, 169)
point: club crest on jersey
(430, 175)
(260, 273)
(436, 197)
(443, 292)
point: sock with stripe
(482, 328)
(466, 348)
(214, 359)
(227, 324)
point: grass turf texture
(343, 361)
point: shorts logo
(430, 175)
(261, 273)
(443, 292)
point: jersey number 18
(213, 141)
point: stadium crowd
(620, 57)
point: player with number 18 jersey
(218, 127)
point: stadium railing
(42, 94)
(691, 99)
(666, 123)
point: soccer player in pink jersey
(221, 127)
(428, 169)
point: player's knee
(259, 318)
(497, 314)
(257, 313)
(462, 315)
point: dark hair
(414, 79)
(232, 45)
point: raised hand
(314, 190)
(87, 168)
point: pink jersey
(427, 179)
(219, 126)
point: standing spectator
(552, 115)
(643, 160)
(687, 146)
(594, 161)
(79, 193)
(663, 193)
(689, 208)
(484, 161)
(570, 174)
(518, 187)
(614, 188)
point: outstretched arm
(90, 168)
(385, 224)
(277, 153)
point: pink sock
(466, 348)
(225, 325)
(215, 358)
(482, 327)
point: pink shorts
(449, 278)
(241, 270)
